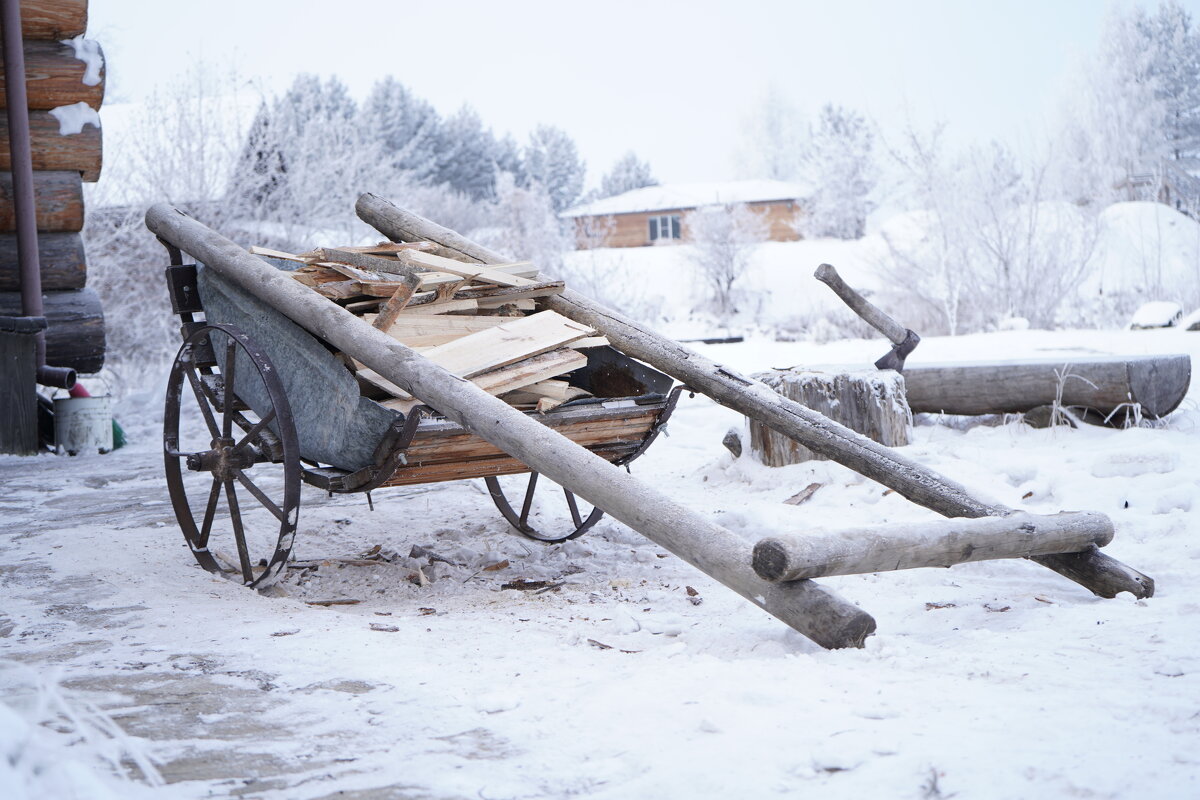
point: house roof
(690, 195)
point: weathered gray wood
(810, 609)
(61, 256)
(18, 385)
(1105, 384)
(1092, 569)
(869, 401)
(940, 543)
(75, 336)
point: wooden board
(519, 338)
(476, 272)
(530, 370)
(58, 197)
(80, 152)
(53, 19)
(54, 77)
(62, 259)
(418, 324)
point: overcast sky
(671, 81)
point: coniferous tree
(408, 128)
(468, 161)
(552, 162)
(626, 175)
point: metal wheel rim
(520, 520)
(229, 449)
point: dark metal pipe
(21, 153)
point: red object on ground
(78, 391)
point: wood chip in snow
(499, 565)
(376, 626)
(342, 602)
(803, 495)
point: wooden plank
(425, 324)
(530, 370)
(62, 259)
(520, 305)
(547, 389)
(58, 197)
(518, 338)
(425, 305)
(80, 152)
(53, 19)
(522, 269)
(509, 293)
(269, 253)
(474, 272)
(55, 77)
(335, 257)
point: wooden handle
(878, 320)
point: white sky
(671, 81)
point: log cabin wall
(65, 80)
(633, 230)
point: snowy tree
(552, 162)
(408, 128)
(508, 159)
(1172, 50)
(468, 160)
(838, 161)
(626, 175)
(527, 227)
(723, 240)
(772, 138)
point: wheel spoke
(202, 400)
(210, 513)
(529, 490)
(255, 430)
(239, 533)
(578, 520)
(230, 364)
(260, 496)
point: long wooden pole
(941, 543)
(1099, 573)
(810, 609)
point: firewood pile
(478, 321)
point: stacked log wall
(62, 161)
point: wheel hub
(224, 461)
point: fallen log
(808, 608)
(55, 77)
(941, 543)
(53, 19)
(75, 334)
(1100, 574)
(1105, 384)
(58, 197)
(62, 257)
(79, 152)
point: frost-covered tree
(626, 175)
(838, 161)
(408, 128)
(468, 158)
(508, 159)
(772, 138)
(526, 225)
(723, 239)
(1172, 49)
(553, 162)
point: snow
(72, 118)
(1156, 314)
(988, 680)
(88, 51)
(1145, 246)
(674, 196)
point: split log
(868, 401)
(810, 609)
(58, 197)
(941, 543)
(63, 262)
(53, 19)
(1105, 384)
(79, 152)
(75, 335)
(1099, 573)
(55, 77)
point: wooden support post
(18, 385)
(941, 543)
(1092, 569)
(810, 609)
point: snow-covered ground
(988, 680)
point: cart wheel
(521, 521)
(218, 443)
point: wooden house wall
(633, 230)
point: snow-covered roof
(690, 195)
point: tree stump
(869, 401)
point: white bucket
(82, 424)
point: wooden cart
(277, 406)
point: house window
(664, 226)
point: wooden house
(657, 215)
